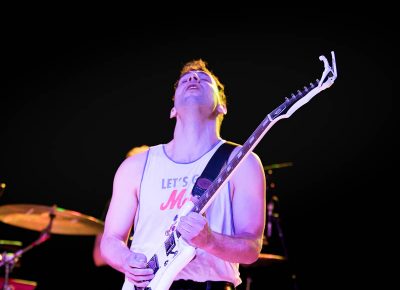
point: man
(150, 188)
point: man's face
(197, 86)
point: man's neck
(188, 151)
(190, 143)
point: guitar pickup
(153, 264)
(169, 244)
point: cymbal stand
(273, 219)
(276, 221)
(2, 189)
(9, 260)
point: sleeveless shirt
(166, 185)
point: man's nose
(194, 77)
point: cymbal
(278, 165)
(37, 217)
(265, 259)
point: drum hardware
(9, 260)
(273, 224)
(2, 189)
(47, 220)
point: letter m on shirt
(174, 200)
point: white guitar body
(164, 280)
(174, 254)
(169, 265)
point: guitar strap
(212, 169)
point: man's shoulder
(135, 161)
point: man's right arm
(120, 215)
(119, 220)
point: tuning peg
(305, 89)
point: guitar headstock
(302, 96)
(330, 73)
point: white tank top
(166, 185)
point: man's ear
(172, 114)
(221, 109)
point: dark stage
(76, 98)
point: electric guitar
(175, 253)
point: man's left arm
(248, 185)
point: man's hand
(194, 229)
(136, 270)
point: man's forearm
(243, 250)
(114, 252)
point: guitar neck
(282, 111)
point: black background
(77, 96)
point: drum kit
(45, 219)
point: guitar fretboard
(205, 199)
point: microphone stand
(9, 261)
